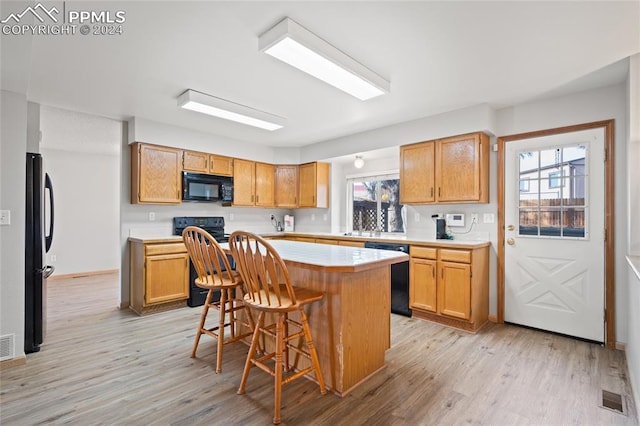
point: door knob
(511, 241)
(510, 228)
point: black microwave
(208, 188)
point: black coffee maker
(441, 229)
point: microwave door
(203, 191)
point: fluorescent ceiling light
(206, 104)
(290, 42)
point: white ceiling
(438, 56)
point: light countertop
(155, 239)
(333, 258)
(387, 238)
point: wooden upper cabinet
(244, 182)
(286, 186)
(202, 162)
(313, 186)
(462, 168)
(265, 184)
(451, 170)
(197, 162)
(155, 174)
(220, 165)
(417, 173)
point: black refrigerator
(38, 239)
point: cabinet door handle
(257, 198)
(439, 191)
(431, 192)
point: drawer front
(303, 239)
(168, 248)
(351, 243)
(321, 241)
(461, 256)
(423, 252)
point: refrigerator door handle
(49, 236)
(47, 271)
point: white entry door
(554, 233)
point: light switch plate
(5, 217)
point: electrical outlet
(474, 217)
(152, 216)
(325, 217)
(53, 258)
(5, 217)
(231, 217)
(272, 217)
(313, 216)
(416, 217)
(488, 218)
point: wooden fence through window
(368, 210)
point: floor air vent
(613, 401)
(7, 347)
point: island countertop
(333, 258)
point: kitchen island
(351, 324)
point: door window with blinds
(553, 192)
(373, 204)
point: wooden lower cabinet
(455, 290)
(423, 294)
(159, 276)
(450, 286)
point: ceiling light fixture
(207, 104)
(290, 42)
(358, 162)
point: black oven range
(214, 225)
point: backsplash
(235, 218)
(421, 224)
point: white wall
(142, 130)
(82, 157)
(467, 120)
(13, 139)
(633, 213)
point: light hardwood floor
(101, 365)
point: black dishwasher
(399, 278)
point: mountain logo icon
(38, 11)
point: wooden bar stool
(215, 273)
(269, 291)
